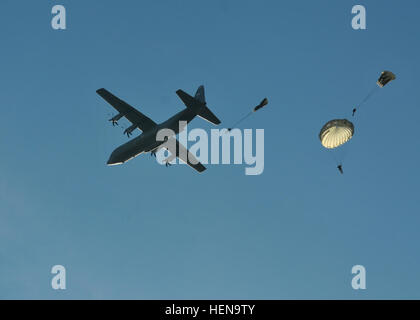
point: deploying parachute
(386, 76)
(263, 103)
(337, 132)
(384, 79)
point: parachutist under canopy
(340, 168)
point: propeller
(128, 133)
(115, 119)
(130, 130)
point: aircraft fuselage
(147, 142)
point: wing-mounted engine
(115, 119)
(130, 129)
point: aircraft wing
(137, 118)
(183, 154)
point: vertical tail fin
(199, 95)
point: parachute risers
(263, 103)
(336, 133)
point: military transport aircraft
(147, 141)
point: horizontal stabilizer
(206, 114)
(198, 106)
(189, 101)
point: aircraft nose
(114, 159)
(111, 160)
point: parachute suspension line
(242, 119)
(365, 99)
(374, 89)
(339, 154)
(332, 153)
(345, 150)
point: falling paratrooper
(384, 79)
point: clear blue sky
(147, 232)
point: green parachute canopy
(336, 133)
(386, 76)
